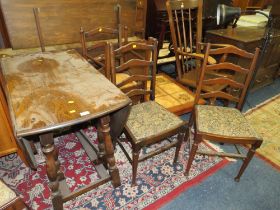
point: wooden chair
(94, 42)
(9, 200)
(148, 123)
(94, 52)
(224, 124)
(185, 20)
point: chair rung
(157, 151)
(238, 151)
(124, 151)
(222, 154)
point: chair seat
(223, 121)
(121, 77)
(150, 119)
(7, 195)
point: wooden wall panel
(61, 19)
(4, 39)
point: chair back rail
(227, 65)
(95, 46)
(134, 63)
(94, 52)
(230, 82)
(121, 34)
(134, 78)
(138, 70)
(221, 80)
(101, 30)
(232, 50)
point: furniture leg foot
(178, 146)
(134, 167)
(53, 171)
(236, 179)
(191, 157)
(246, 161)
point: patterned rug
(265, 118)
(158, 179)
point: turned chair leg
(135, 158)
(178, 146)
(187, 134)
(191, 156)
(247, 160)
(187, 137)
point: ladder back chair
(148, 123)
(142, 54)
(94, 52)
(223, 124)
(94, 42)
(185, 20)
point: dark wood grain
(5, 42)
(67, 100)
(61, 20)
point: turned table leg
(109, 150)
(101, 147)
(53, 169)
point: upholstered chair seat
(9, 199)
(149, 119)
(223, 121)
(7, 195)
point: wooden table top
(52, 90)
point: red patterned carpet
(158, 179)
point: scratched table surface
(52, 90)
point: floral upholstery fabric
(7, 194)
(150, 119)
(223, 121)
